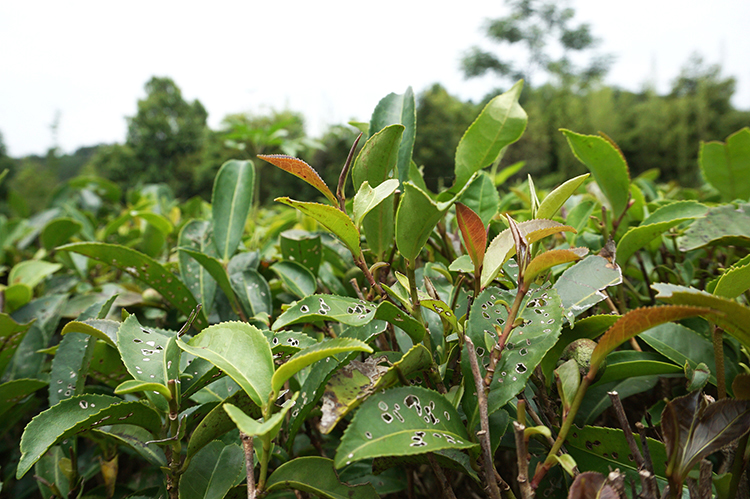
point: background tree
(165, 135)
(541, 28)
(6, 163)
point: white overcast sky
(330, 60)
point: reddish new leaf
(635, 322)
(550, 258)
(300, 169)
(473, 232)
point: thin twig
(247, 445)
(648, 464)
(444, 484)
(625, 425)
(523, 461)
(484, 434)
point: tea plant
(375, 344)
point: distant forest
(168, 141)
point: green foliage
(394, 329)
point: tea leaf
(31, 272)
(656, 224)
(726, 166)
(197, 236)
(332, 218)
(302, 170)
(70, 366)
(606, 162)
(582, 285)
(215, 270)
(342, 309)
(231, 199)
(551, 258)
(135, 386)
(302, 247)
(213, 471)
(317, 476)
(312, 354)
(398, 109)
(368, 198)
(555, 199)
(501, 122)
(473, 232)
(387, 311)
(12, 392)
(402, 421)
(252, 291)
(144, 268)
(241, 351)
(58, 231)
(637, 321)
(733, 282)
(502, 246)
(78, 414)
(103, 329)
(11, 334)
(724, 225)
(482, 197)
(249, 426)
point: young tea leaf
(473, 232)
(249, 426)
(726, 166)
(398, 109)
(555, 199)
(402, 421)
(368, 198)
(302, 170)
(551, 258)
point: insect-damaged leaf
(693, 428)
(502, 247)
(350, 386)
(241, 351)
(402, 421)
(78, 414)
(332, 218)
(197, 235)
(724, 225)
(473, 232)
(582, 285)
(342, 309)
(302, 170)
(316, 476)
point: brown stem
(500, 345)
(340, 194)
(444, 484)
(484, 434)
(625, 425)
(704, 482)
(523, 461)
(247, 445)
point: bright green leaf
(230, 204)
(555, 199)
(726, 166)
(32, 272)
(368, 198)
(398, 109)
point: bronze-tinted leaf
(473, 232)
(300, 169)
(586, 485)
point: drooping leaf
(502, 247)
(402, 421)
(734, 318)
(150, 355)
(389, 312)
(231, 199)
(637, 321)
(723, 225)
(501, 122)
(398, 109)
(355, 382)
(78, 414)
(217, 422)
(342, 309)
(693, 428)
(698, 377)
(368, 198)
(213, 471)
(473, 232)
(241, 351)
(145, 269)
(302, 170)
(103, 329)
(197, 236)
(249, 426)
(316, 475)
(606, 162)
(726, 166)
(314, 353)
(555, 199)
(296, 277)
(442, 309)
(551, 258)
(331, 218)
(582, 285)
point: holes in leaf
(83, 404)
(382, 406)
(387, 417)
(368, 435)
(304, 309)
(520, 368)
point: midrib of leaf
(716, 437)
(231, 214)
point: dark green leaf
(389, 312)
(230, 204)
(317, 476)
(58, 231)
(482, 197)
(252, 291)
(135, 437)
(302, 247)
(296, 277)
(197, 236)
(11, 334)
(12, 392)
(70, 366)
(213, 471)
